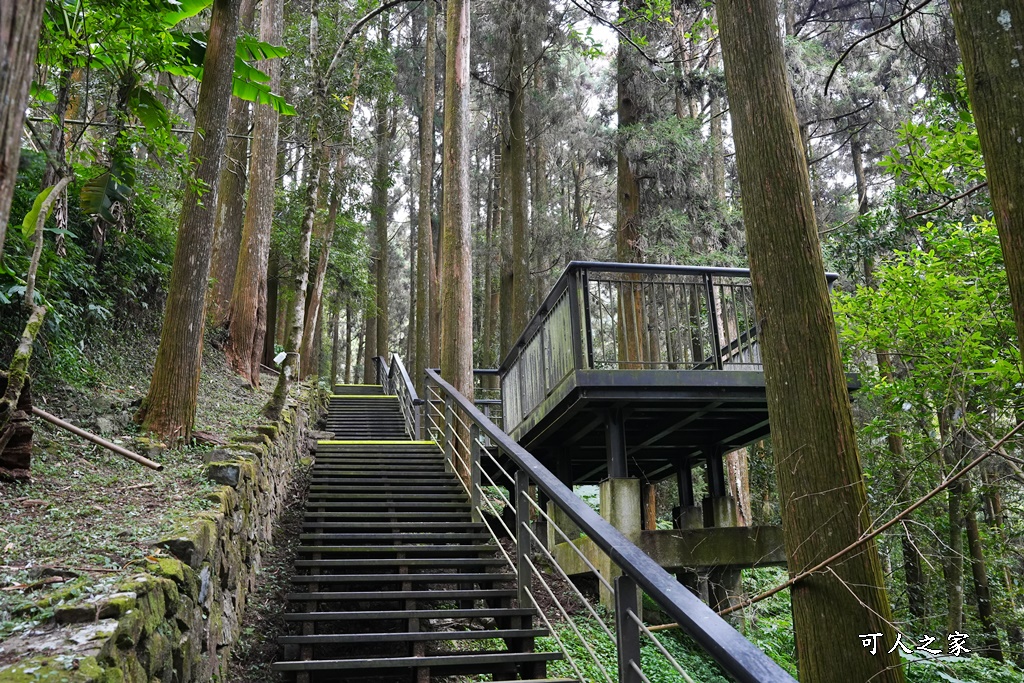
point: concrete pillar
(620, 505)
(725, 584)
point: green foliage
(28, 226)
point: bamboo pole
(100, 441)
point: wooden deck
(637, 370)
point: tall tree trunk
(425, 267)
(628, 205)
(410, 334)
(19, 36)
(270, 314)
(335, 336)
(384, 133)
(318, 152)
(227, 230)
(331, 224)
(821, 488)
(348, 341)
(369, 336)
(717, 138)
(517, 178)
(457, 278)
(487, 359)
(507, 333)
(953, 550)
(991, 38)
(247, 320)
(169, 408)
(986, 614)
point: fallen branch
(98, 440)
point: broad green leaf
(38, 92)
(99, 193)
(28, 226)
(252, 49)
(183, 10)
(149, 110)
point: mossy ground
(87, 512)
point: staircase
(394, 581)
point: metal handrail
(722, 642)
(395, 380)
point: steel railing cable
(572, 544)
(661, 648)
(568, 581)
(723, 643)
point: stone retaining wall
(177, 621)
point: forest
(268, 195)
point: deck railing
(626, 316)
(506, 486)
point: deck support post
(615, 443)
(725, 585)
(688, 515)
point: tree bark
(953, 550)
(170, 406)
(457, 278)
(983, 595)
(631, 345)
(516, 151)
(19, 37)
(425, 267)
(384, 133)
(331, 224)
(247, 320)
(821, 489)
(507, 333)
(717, 138)
(348, 342)
(227, 230)
(335, 336)
(991, 38)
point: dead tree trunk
(16, 404)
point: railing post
(627, 633)
(585, 286)
(449, 434)
(474, 471)
(417, 421)
(716, 342)
(575, 329)
(523, 540)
